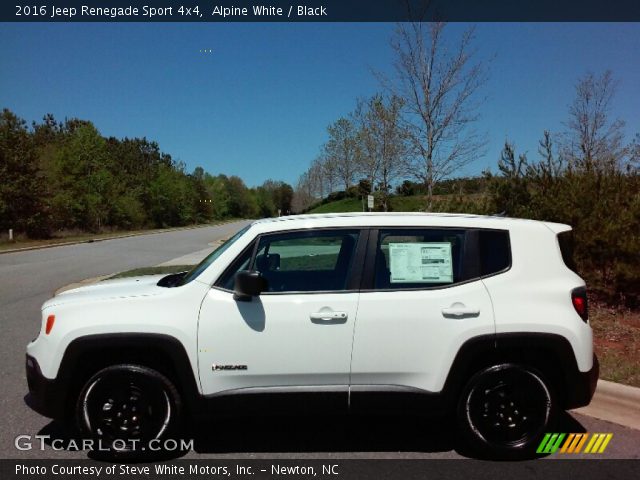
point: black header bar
(321, 11)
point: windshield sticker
(421, 262)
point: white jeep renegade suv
(475, 316)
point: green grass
(398, 204)
(470, 203)
(415, 203)
(137, 272)
(339, 206)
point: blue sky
(258, 105)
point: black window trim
(368, 280)
(355, 275)
(362, 275)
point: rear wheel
(124, 407)
(504, 411)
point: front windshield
(204, 264)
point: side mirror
(248, 284)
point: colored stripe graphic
(597, 443)
(550, 443)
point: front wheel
(504, 411)
(126, 407)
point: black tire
(123, 407)
(505, 410)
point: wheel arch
(86, 355)
(551, 354)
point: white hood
(119, 288)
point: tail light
(579, 300)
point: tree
(83, 178)
(303, 196)
(439, 87)
(219, 195)
(317, 179)
(382, 142)
(21, 186)
(241, 203)
(509, 190)
(342, 150)
(594, 141)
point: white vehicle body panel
(276, 339)
(103, 309)
(403, 338)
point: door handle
(328, 316)
(460, 312)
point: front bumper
(45, 395)
(581, 386)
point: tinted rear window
(565, 240)
(495, 251)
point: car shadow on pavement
(368, 436)
(402, 434)
(327, 433)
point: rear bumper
(45, 395)
(581, 386)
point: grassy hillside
(468, 203)
(339, 206)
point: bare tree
(382, 142)
(368, 160)
(594, 141)
(329, 173)
(342, 150)
(439, 86)
(303, 196)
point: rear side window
(420, 258)
(495, 251)
(565, 240)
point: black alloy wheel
(505, 410)
(124, 407)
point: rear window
(495, 251)
(565, 240)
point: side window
(242, 262)
(495, 251)
(299, 261)
(419, 258)
(306, 261)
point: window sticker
(421, 262)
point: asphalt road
(28, 278)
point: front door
(299, 332)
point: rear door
(422, 298)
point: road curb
(115, 237)
(615, 403)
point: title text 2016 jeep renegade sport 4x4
(474, 316)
